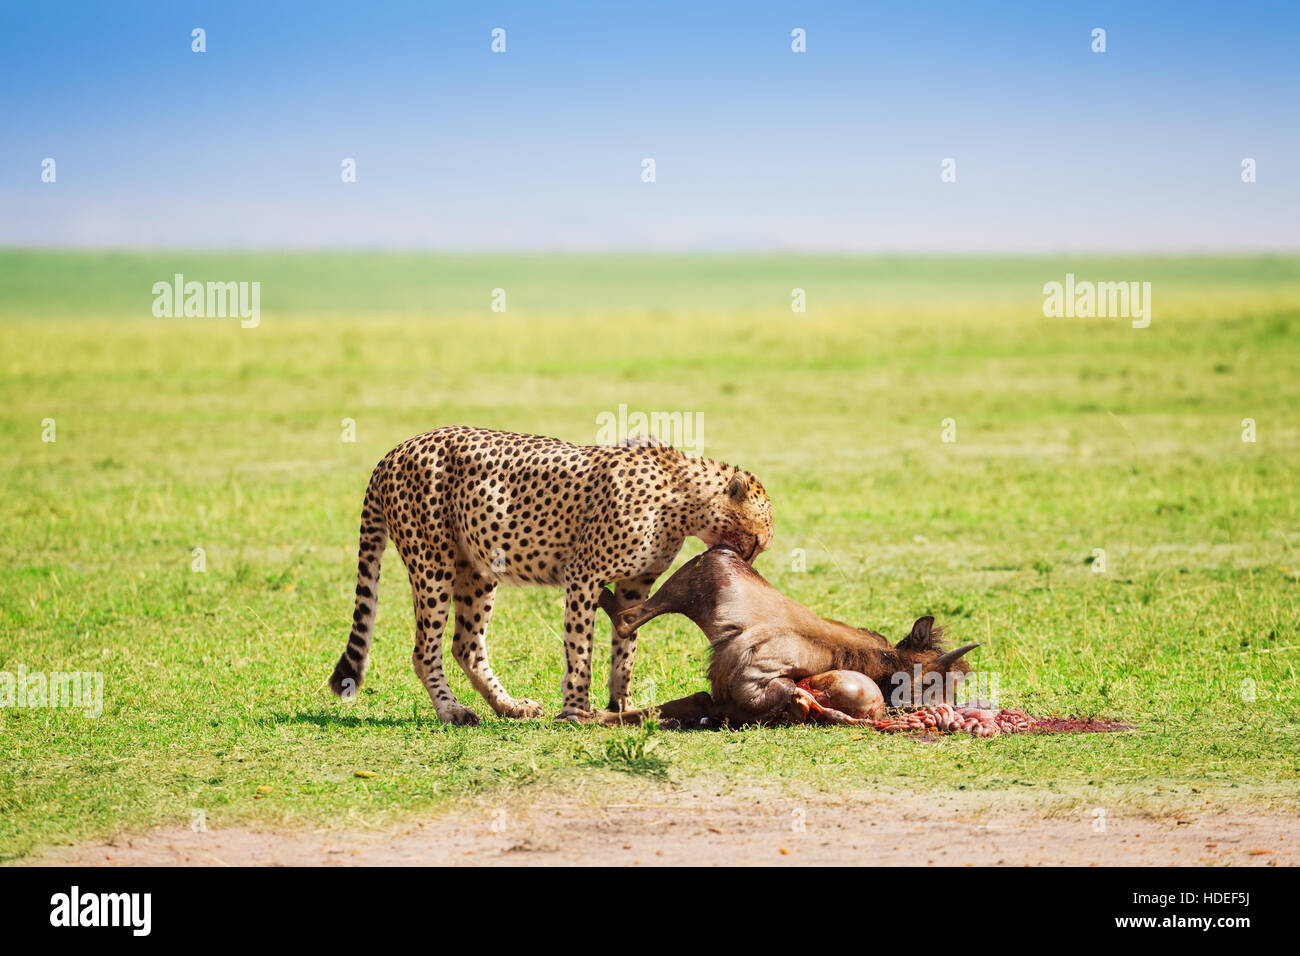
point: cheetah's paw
(521, 709)
(457, 715)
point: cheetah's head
(739, 516)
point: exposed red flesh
(835, 695)
(1071, 725)
(848, 692)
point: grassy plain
(1071, 435)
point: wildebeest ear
(739, 487)
(922, 637)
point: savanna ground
(1071, 435)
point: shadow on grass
(320, 719)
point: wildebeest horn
(946, 661)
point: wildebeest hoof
(575, 716)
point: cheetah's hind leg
(475, 595)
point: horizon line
(648, 252)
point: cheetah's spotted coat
(470, 508)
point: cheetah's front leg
(580, 599)
(627, 593)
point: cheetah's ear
(739, 487)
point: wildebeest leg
(782, 701)
(684, 710)
(626, 621)
(674, 596)
(764, 703)
(820, 713)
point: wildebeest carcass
(775, 661)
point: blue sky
(1057, 148)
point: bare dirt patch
(698, 829)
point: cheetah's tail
(351, 668)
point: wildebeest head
(928, 672)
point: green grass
(1072, 434)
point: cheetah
(470, 508)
